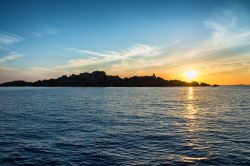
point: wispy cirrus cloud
(36, 34)
(12, 56)
(8, 38)
(135, 52)
(44, 30)
(229, 29)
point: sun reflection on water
(190, 93)
(192, 128)
(191, 111)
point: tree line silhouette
(100, 79)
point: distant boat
(215, 85)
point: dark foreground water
(125, 126)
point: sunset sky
(49, 38)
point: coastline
(100, 79)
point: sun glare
(191, 75)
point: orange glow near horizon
(220, 78)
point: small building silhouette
(154, 76)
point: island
(101, 79)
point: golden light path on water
(191, 112)
(192, 126)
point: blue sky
(43, 39)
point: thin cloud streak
(228, 30)
(8, 38)
(36, 34)
(12, 56)
(94, 57)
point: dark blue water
(125, 126)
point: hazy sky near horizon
(44, 39)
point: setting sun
(190, 75)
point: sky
(49, 38)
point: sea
(125, 125)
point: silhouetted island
(100, 79)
